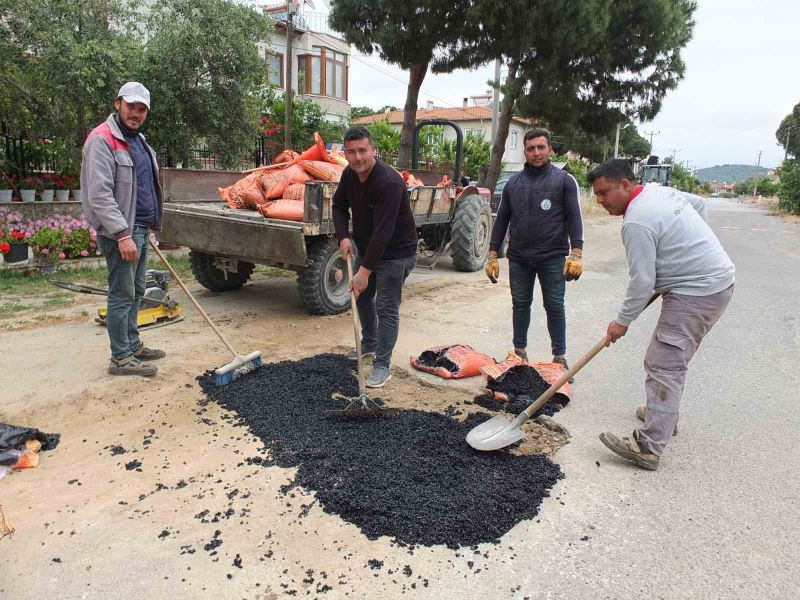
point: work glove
(492, 266)
(573, 267)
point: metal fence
(19, 157)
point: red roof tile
(469, 113)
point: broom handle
(362, 388)
(196, 304)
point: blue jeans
(126, 281)
(522, 276)
(379, 306)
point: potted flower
(48, 247)
(28, 187)
(48, 187)
(6, 189)
(62, 184)
(15, 234)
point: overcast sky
(741, 80)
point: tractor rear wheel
(472, 227)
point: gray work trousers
(683, 323)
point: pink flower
(62, 255)
(84, 253)
(45, 251)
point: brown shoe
(630, 449)
(640, 412)
(130, 365)
(521, 353)
(562, 360)
(145, 353)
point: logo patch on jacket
(546, 204)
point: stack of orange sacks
(276, 191)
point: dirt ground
(147, 480)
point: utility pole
(616, 143)
(674, 152)
(651, 134)
(758, 165)
(495, 100)
(287, 126)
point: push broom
(241, 363)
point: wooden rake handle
(362, 388)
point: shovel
(500, 431)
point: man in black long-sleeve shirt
(385, 236)
(540, 204)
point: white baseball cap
(133, 91)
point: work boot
(130, 365)
(145, 353)
(562, 360)
(640, 412)
(379, 376)
(366, 352)
(521, 353)
(630, 449)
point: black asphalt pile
(437, 358)
(523, 385)
(411, 477)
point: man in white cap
(122, 201)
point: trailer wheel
(472, 227)
(323, 283)
(215, 279)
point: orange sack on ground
(452, 362)
(322, 171)
(286, 210)
(550, 372)
(295, 191)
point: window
(275, 69)
(325, 72)
(512, 140)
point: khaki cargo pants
(683, 323)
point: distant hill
(730, 173)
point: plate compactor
(156, 308)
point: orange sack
(322, 171)
(285, 156)
(452, 362)
(244, 193)
(286, 210)
(295, 191)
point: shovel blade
(498, 432)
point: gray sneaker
(561, 360)
(145, 353)
(130, 365)
(379, 376)
(366, 352)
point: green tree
(385, 137)
(203, 68)
(790, 129)
(766, 187)
(62, 62)
(683, 179)
(476, 149)
(568, 62)
(412, 35)
(356, 112)
(789, 191)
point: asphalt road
(720, 517)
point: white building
(320, 59)
(472, 119)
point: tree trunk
(511, 91)
(416, 75)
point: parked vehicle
(226, 244)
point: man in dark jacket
(385, 236)
(122, 201)
(540, 205)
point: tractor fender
(474, 190)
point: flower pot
(18, 252)
(62, 195)
(27, 195)
(46, 267)
(76, 195)
(5, 196)
(46, 195)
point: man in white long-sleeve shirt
(671, 251)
